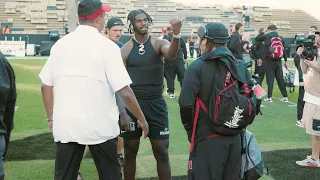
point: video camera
(308, 44)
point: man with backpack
(275, 52)
(214, 130)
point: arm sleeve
(296, 60)
(190, 89)
(11, 100)
(254, 52)
(300, 74)
(284, 50)
(260, 37)
(184, 48)
(46, 74)
(116, 72)
(233, 44)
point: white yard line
(292, 104)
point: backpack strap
(199, 103)
(218, 98)
(228, 77)
(246, 90)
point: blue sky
(311, 6)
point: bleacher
(163, 10)
(289, 22)
(40, 16)
(34, 16)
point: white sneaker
(299, 123)
(309, 162)
(268, 100)
(284, 99)
(171, 95)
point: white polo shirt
(85, 69)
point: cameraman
(311, 113)
(300, 103)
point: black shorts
(156, 114)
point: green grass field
(32, 150)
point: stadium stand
(40, 16)
(34, 16)
(289, 22)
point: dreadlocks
(132, 14)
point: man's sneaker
(171, 95)
(309, 162)
(284, 99)
(299, 123)
(120, 158)
(268, 100)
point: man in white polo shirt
(87, 74)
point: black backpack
(232, 104)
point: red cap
(164, 30)
(104, 8)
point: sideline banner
(13, 48)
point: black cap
(217, 32)
(272, 27)
(114, 21)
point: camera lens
(304, 53)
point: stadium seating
(40, 16)
(34, 16)
(289, 22)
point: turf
(32, 151)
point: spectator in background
(6, 30)
(259, 51)
(313, 30)
(114, 28)
(66, 29)
(191, 41)
(231, 30)
(311, 111)
(164, 33)
(300, 103)
(176, 66)
(196, 47)
(246, 17)
(236, 44)
(274, 65)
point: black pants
(216, 158)
(300, 103)
(260, 70)
(198, 52)
(171, 69)
(274, 70)
(2, 153)
(69, 156)
(191, 50)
